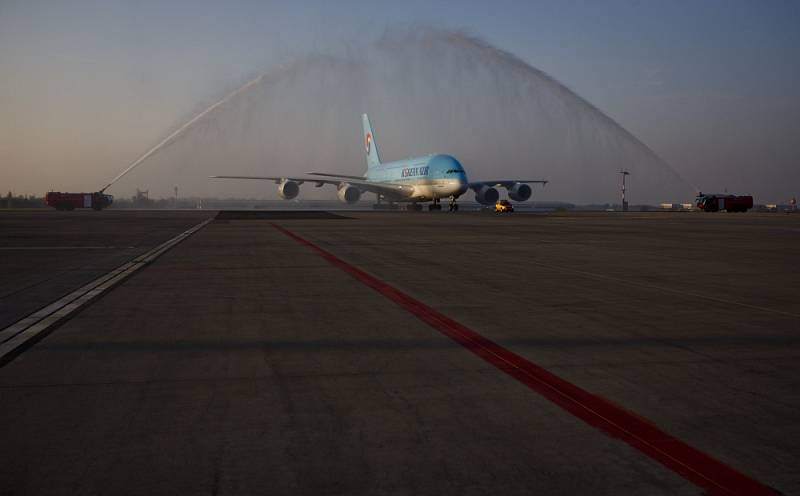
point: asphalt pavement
(242, 361)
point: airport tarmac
(45, 254)
(243, 361)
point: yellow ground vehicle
(503, 206)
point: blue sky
(712, 86)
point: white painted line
(20, 248)
(18, 333)
(42, 313)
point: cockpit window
(453, 171)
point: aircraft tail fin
(373, 159)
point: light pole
(624, 173)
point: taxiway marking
(15, 337)
(17, 248)
(689, 462)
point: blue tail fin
(373, 159)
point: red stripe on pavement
(691, 463)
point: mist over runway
(429, 90)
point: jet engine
(288, 189)
(349, 194)
(486, 195)
(519, 192)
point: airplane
(421, 179)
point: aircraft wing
(384, 188)
(276, 179)
(506, 183)
(390, 190)
(325, 174)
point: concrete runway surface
(241, 361)
(45, 254)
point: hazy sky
(86, 87)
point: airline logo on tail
(368, 141)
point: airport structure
(624, 173)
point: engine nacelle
(288, 189)
(520, 192)
(486, 195)
(349, 194)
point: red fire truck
(716, 202)
(71, 201)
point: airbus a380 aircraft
(420, 179)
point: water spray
(182, 129)
(431, 89)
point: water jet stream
(428, 90)
(181, 129)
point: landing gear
(435, 205)
(414, 207)
(380, 205)
(453, 206)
